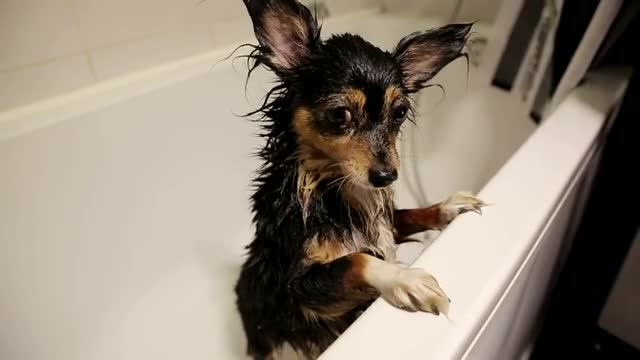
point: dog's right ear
(286, 31)
(423, 54)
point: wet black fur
(275, 280)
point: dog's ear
(423, 54)
(286, 31)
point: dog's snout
(382, 175)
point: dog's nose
(382, 176)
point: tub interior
(123, 228)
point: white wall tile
(338, 7)
(37, 82)
(479, 10)
(232, 31)
(150, 51)
(110, 22)
(469, 10)
(427, 8)
(33, 31)
(226, 9)
(237, 27)
(43, 42)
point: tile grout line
(73, 9)
(39, 62)
(92, 67)
(89, 49)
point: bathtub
(124, 212)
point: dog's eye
(400, 112)
(339, 116)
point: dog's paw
(416, 290)
(459, 203)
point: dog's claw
(460, 203)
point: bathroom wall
(450, 10)
(50, 47)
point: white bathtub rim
(530, 255)
(611, 89)
(453, 341)
(621, 75)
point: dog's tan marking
(334, 311)
(324, 251)
(356, 98)
(314, 167)
(356, 292)
(334, 147)
(315, 164)
(391, 94)
(411, 221)
(436, 217)
(353, 98)
(352, 152)
(394, 159)
(352, 161)
(409, 288)
(347, 159)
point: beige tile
(32, 31)
(226, 9)
(429, 8)
(480, 10)
(41, 81)
(233, 31)
(154, 50)
(110, 22)
(237, 28)
(340, 7)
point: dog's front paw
(457, 204)
(416, 290)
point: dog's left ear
(423, 54)
(286, 31)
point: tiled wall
(49, 47)
(450, 10)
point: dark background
(611, 220)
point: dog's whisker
(335, 181)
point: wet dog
(326, 228)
